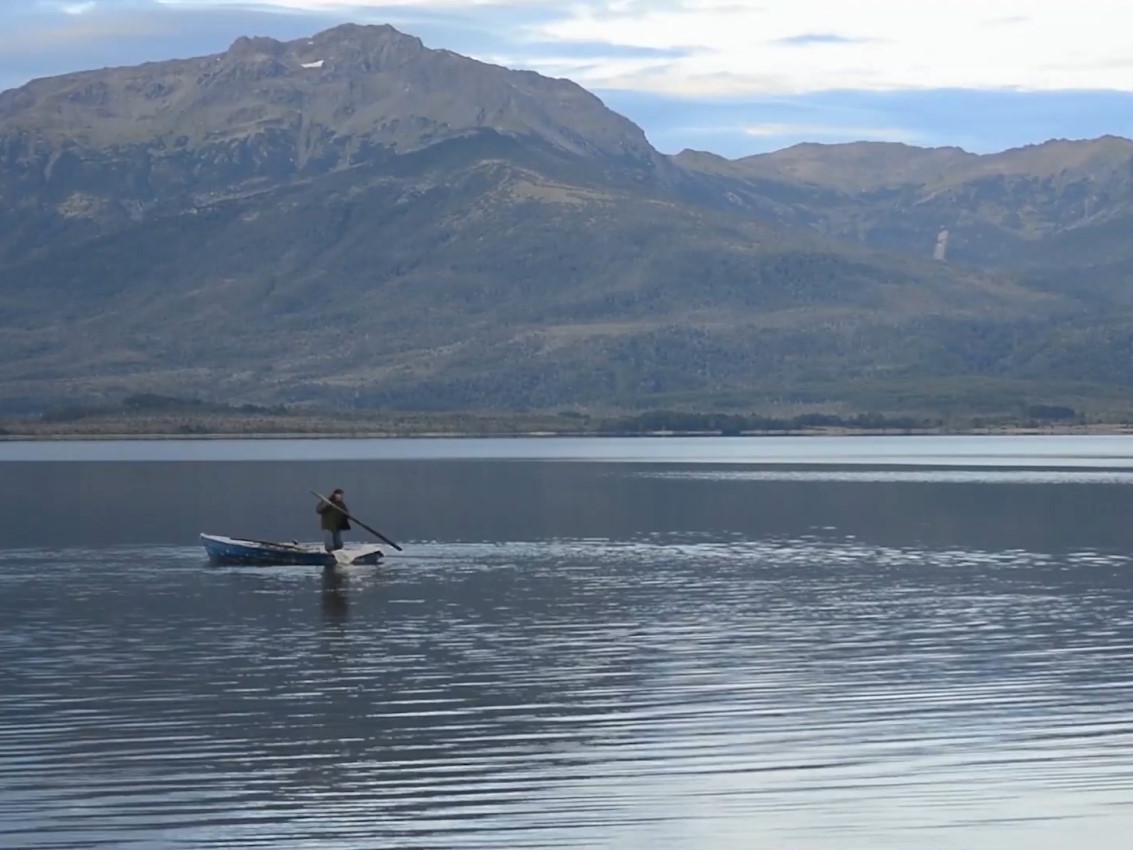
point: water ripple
(664, 692)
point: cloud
(79, 30)
(881, 44)
(752, 47)
(127, 32)
(600, 50)
(359, 5)
(67, 7)
(828, 132)
(811, 39)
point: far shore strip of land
(63, 435)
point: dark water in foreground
(585, 654)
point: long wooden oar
(355, 519)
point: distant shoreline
(159, 417)
(1005, 431)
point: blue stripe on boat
(232, 550)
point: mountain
(1017, 211)
(357, 220)
(87, 153)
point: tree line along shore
(162, 416)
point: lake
(712, 643)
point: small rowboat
(233, 550)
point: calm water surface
(687, 644)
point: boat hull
(235, 551)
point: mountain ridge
(995, 207)
(346, 54)
(357, 220)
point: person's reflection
(336, 607)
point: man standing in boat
(333, 519)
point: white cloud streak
(349, 5)
(69, 7)
(748, 47)
(830, 131)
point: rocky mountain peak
(350, 50)
(350, 87)
(368, 47)
(250, 58)
(255, 47)
(109, 147)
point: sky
(735, 77)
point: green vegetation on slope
(405, 229)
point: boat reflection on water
(336, 605)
